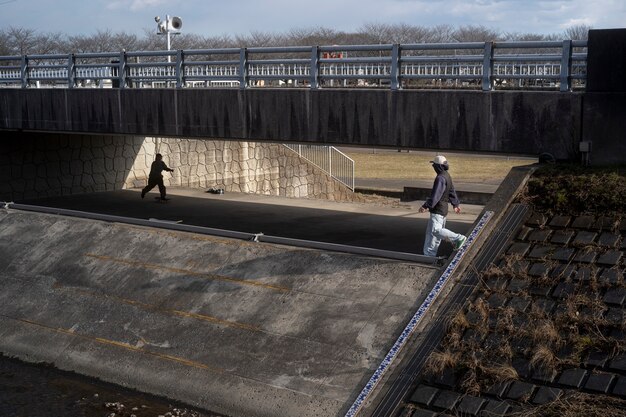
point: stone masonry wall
(248, 167)
(34, 165)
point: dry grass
(482, 308)
(545, 332)
(576, 405)
(416, 166)
(504, 323)
(459, 322)
(438, 361)
(501, 372)
(544, 358)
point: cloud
(134, 5)
(214, 17)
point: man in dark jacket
(443, 192)
(156, 178)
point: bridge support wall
(36, 165)
(520, 122)
(605, 101)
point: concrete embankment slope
(241, 328)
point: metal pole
(487, 66)
(122, 70)
(243, 68)
(24, 71)
(566, 66)
(167, 32)
(330, 161)
(315, 67)
(71, 71)
(179, 69)
(352, 176)
(395, 67)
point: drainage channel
(254, 237)
(39, 389)
(495, 245)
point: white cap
(439, 159)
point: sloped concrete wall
(34, 165)
(236, 327)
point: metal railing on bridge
(329, 159)
(557, 65)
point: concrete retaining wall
(42, 165)
(239, 328)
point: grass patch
(416, 166)
(572, 189)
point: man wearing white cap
(443, 192)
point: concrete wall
(606, 61)
(520, 122)
(604, 110)
(36, 165)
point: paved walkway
(398, 185)
(396, 227)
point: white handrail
(329, 159)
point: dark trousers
(153, 182)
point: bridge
(514, 97)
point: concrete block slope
(240, 328)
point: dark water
(29, 390)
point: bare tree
(525, 37)
(579, 32)
(373, 33)
(79, 44)
(475, 33)
(21, 41)
(4, 43)
(51, 43)
(441, 34)
(124, 41)
(255, 38)
(314, 36)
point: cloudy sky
(232, 17)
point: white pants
(435, 232)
